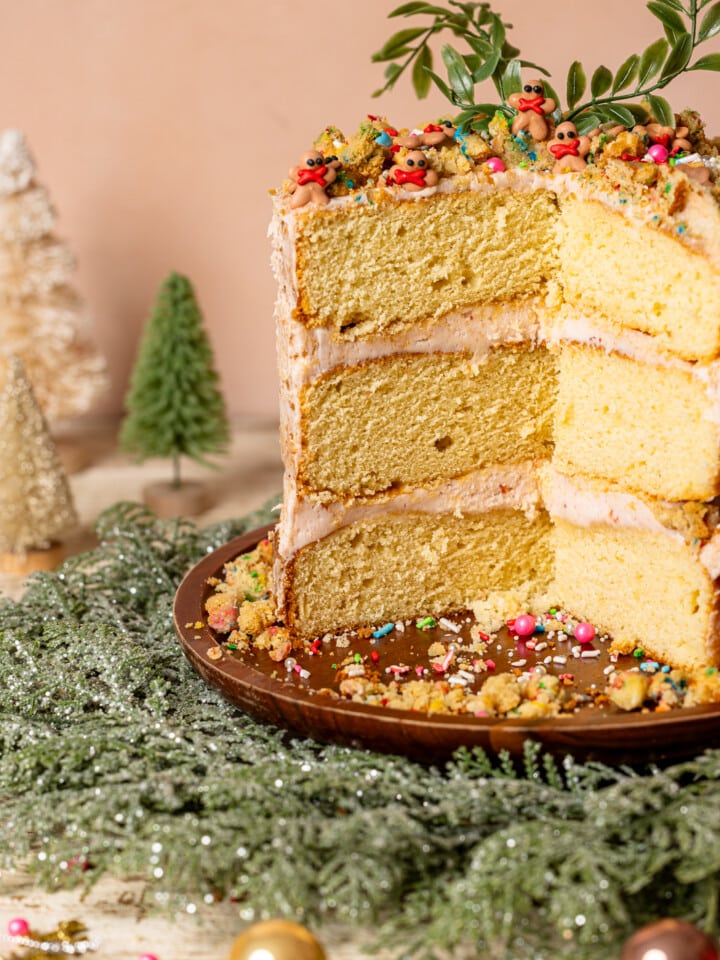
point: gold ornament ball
(277, 940)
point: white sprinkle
(355, 670)
(548, 660)
(560, 660)
(590, 654)
(400, 626)
(466, 674)
(456, 679)
(608, 670)
(449, 625)
(540, 646)
(576, 651)
(518, 663)
(305, 674)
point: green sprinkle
(357, 658)
(710, 671)
(425, 623)
(638, 652)
(333, 666)
(232, 646)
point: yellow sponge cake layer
(605, 265)
(367, 267)
(644, 588)
(406, 420)
(644, 426)
(367, 573)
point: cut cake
(502, 384)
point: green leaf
(392, 72)
(408, 9)
(551, 94)
(576, 83)
(638, 111)
(668, 16)
(480, 46)
(421, 78)
(511, 81)
(616, 113)
(440, 84)
(458, 75)
(675, 4)
(529, 65)
(711, 61)
(586, 122)
(661, 110)
(601, 80)
(497, 33)
(710, 25)
(626, 73)
(652, 60)
(486, 70)
(509, 52)
(679, 57)
(397, 43)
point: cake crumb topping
(452, 665)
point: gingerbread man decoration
(569, 149)
(439, 134)
(532, 106)
(413, 172)
(311, 178)
(674, 139)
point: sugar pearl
(658, 153)
(18, 927)
(524, 625)
(495, 165)
(584, 632)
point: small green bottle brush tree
(174, 405)
(488, 55)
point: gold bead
(276, 940)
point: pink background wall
(160, 125)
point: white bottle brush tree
(36, 505)
(42, 319)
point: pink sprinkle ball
(495, 165)
(147, 956)
(524, 625)
(584, 632)
(18, 927)
(658, 153)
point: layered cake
(500, 383)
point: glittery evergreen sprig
(629, 95)
(115, 757)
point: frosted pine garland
(114, 753)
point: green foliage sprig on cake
(175, 407)
(627, 96)
(116, 758)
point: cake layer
(676, 300)
(646, 589)
(410, 419)
(366, 573)
(646, 427)
(364, 268)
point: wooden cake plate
(270, 693)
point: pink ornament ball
(584, 632)
(495, 165)
(18, 927)
(658, 153)
(147, 956)
(524, 625)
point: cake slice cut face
(506, 382)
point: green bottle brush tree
(174, 406)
